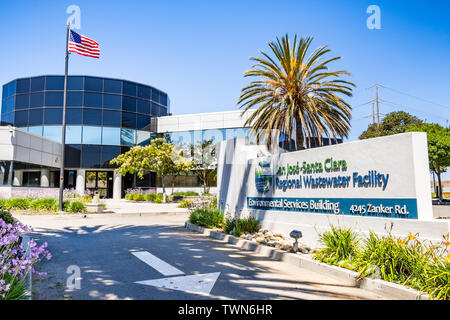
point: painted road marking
(156, 263)
(197, 283)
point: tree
(159, 157)
(438, 139)
(295, 92)
(393, 123)
(205, 166)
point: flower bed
(16, 262)
(31, 205)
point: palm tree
(296, 92)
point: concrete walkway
(126, 207)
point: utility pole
(373, 112)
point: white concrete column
(117, 186)
(18, 178)
(45, 178)
(81, 174)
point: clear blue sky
(197, 51)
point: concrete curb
(29, 277)
(385, 288)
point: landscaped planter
(94, 207)
(351, 278)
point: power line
(418, 98)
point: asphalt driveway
(103, 248)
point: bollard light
(295, 234)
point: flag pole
(63, 140)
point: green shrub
(207, 218)
(3, 204)
(249, 224)
(43, 204)
(227, 225)
(237, 231)
(17, 203)
(185, 194)
(76, 207)
(185, 203)
(396, 260)
(150, 197)
(437, 282)
(158, 198)
(129, 196)
(341, 244)
(138, 197)
(66, 206)
(7, 217)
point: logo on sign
(263, 177)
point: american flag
(83, 45)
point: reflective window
(90, 158)
(127, 137)
(142, 138)
(129, 104)
(35, 117)
(36, 130)
(73, 134)
(74, 99)
(21, 118)
(144, 92)
(113, 86)
(93, 84)
(92, 116)
(112, 101)
(93, 100)
(37, 84)
(109, 153)
(72, 156)
(22, 101)
(155, 95)
(74, 115)
(216, 135)
(143, 122)
(111, 118)
(74, 83)
(129, 88)
(156, 110)
(128, 120)
(163, 99)
(54, 99)
(8, 104)
(143, 106)
(111, 136)
(54, 83)
(92, 135)
(36, 100)
(53, 132)
(5, 92)
(23, 85)
(162, 111)
(53, 116)
(236, 133)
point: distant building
(104, 118)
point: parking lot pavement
(154, 257)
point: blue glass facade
(103, 116)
